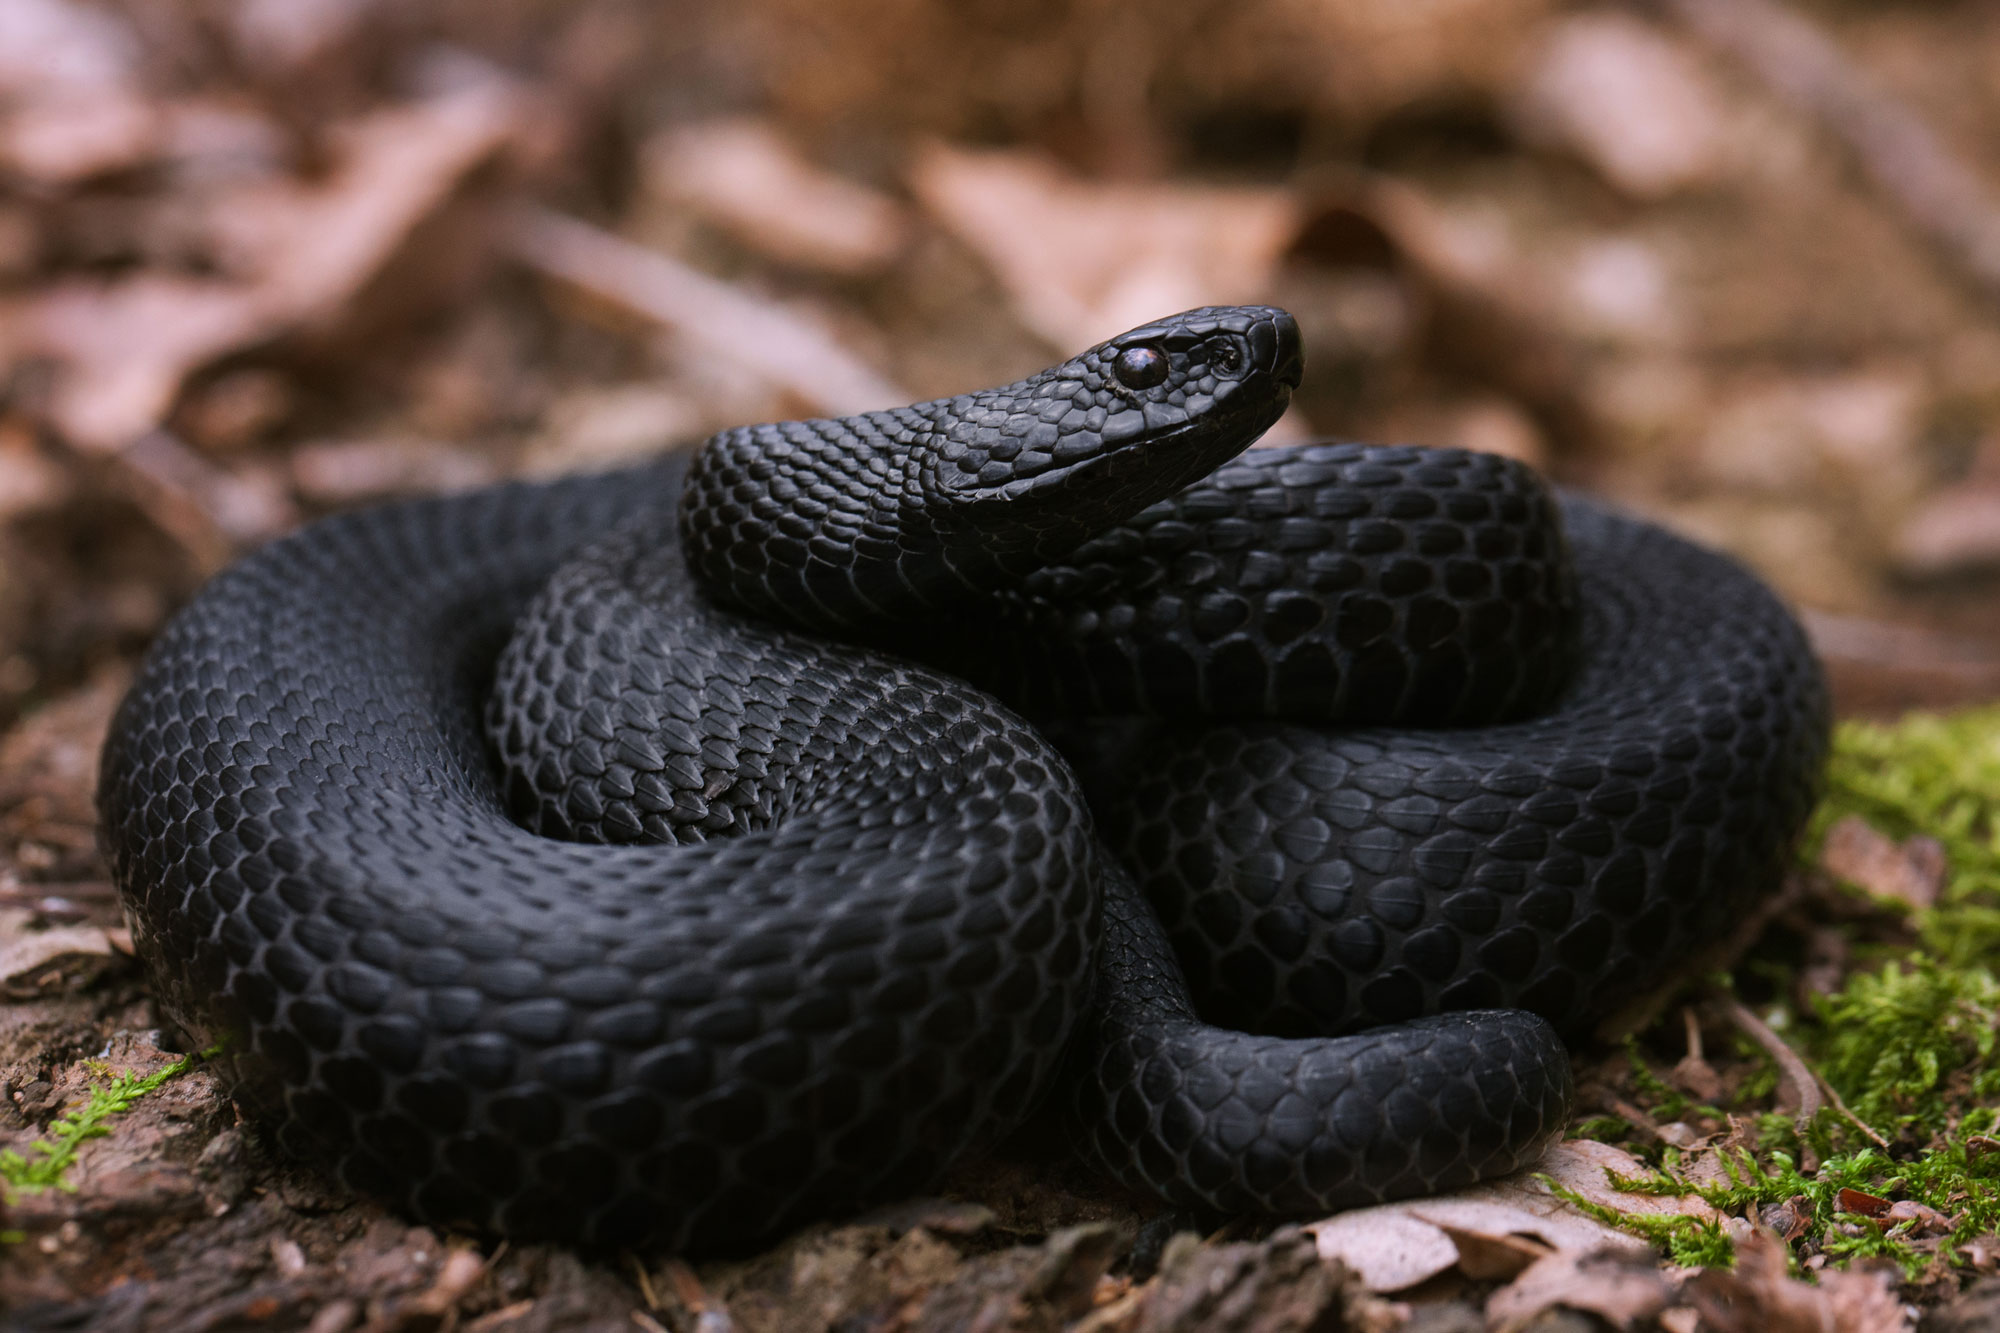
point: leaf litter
(265, 259)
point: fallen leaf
(607, 425)
(1861, 1204)
(124, 346)
(753, 335)
(34, 963)
(303, 256)
(1974, 1310)
(1280, 1283)
(1759, 1296)
(1952, 531)
(1784, 435)
(1628, 100)
(1082, 260)
(1910, 872)
(312, 249)
(286, 34)
(29, 481)
(1624, 1290)
(745, 177)
(62, 141)
(1397, 1245)
(345, 472)
(1486, 1257)
(1788, 1219)
(54, 48)
(1916, 1219)
(235, 410)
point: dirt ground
(1734, 263)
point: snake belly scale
(668, 856)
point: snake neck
(883, 517)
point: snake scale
(647, 858)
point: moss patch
(1909, 1042)
(46, 1164)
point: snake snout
(1275, 345)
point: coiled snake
(1343, 734)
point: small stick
(1692, 1026)
(1938, 192)
(1805, 1084)
(760, 336)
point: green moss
(1936, 775)
(46, 1164)
(1661, 1099)
(1692, 1242)
(1910, 1046)
(1893, 1041)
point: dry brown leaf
(124, 346)
(29, 482)
(1627, 99)
(1487, 1257)
(602, 426)
(1911, 872)
(1885, 667)
(1861, 1204)
(210, 511)
(1491, 317)
(311, 250)
(53, 48)
(1397, 1245)
(1759, 1296)
(345, 472)
(1953, 531)
(1624, 1290)
(62, 141)
(745, 177)
(70, 105)
(41, 962)
(304, 255)
(1783, 436)
(1915, 1218)
(48, 761)
(236, 410)
(289, 33)
(1083, 260)
(777, 345)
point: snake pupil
(1140, 367)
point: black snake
(408, 871)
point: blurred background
(1735, 263)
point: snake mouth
(1126, 449)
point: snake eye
(1226, 355)
(1140, 367)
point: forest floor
(1733, 263)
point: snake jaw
(1128, 422)
(988, 485)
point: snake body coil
(541, 887)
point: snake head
(1085, 444)
(885, 516)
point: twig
(1939, 193)
(1806, 1085)
(762, 337)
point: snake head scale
(795, 518)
